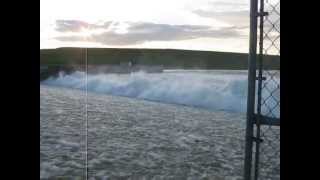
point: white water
(214, 90)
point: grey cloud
(70, 25)
(76, 25)
(232, 12)
(239, 19)
(140, 32)
(230, 4)
(237, 13)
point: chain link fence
(269, 160)
(263, 130)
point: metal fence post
(260, 79)
(251, 89)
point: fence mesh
(269, 155)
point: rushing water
(131, 138)
(213, 90)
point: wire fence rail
(262, 156)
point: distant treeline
(168, 58)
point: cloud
(70, 25)
(227, 5)
(239, 19)
(232, 12)
(77, 26)
(133, 33)
(238, 13)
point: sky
(214, 25)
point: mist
(213, 90)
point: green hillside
(169, 58)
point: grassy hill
(169, 58)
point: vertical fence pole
(257, 155)
(251, 89)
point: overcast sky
(215, 25)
